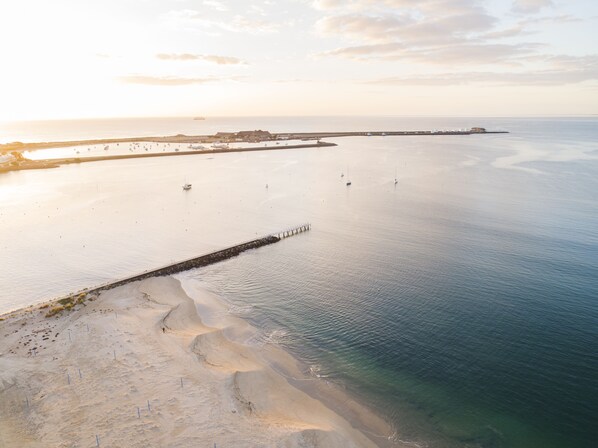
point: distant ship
(187, 187)
(199, 118)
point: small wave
(276, 337)
(315, 370)
(394, 437)
(240, 310)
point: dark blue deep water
(462, 304)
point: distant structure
(478, 130)
(245, 136)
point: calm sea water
(461, 303)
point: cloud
(531, 6)
(407, 27)
(165, 80)
(560, 70)
(256, 26)
(216, 5)
(235, 24)
(464, 54)
(324, 5)
(220, 60)
(363, 26)
(429, 6)
(517, 30)
(446, 33)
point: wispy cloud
(165, 80)
(463, 54)
(412, 27)
(324, 5)
(562, 70)
(531, 6)
(235, 24)
(216, 5)
(215, 59)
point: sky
(64, 59)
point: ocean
(461, 303)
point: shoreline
(77, 374)
(28, 164)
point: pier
(293, 231)
(203, 260)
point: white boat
(196, 147)
(106, 148)
(187, 187)
(220, 146)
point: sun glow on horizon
(67, 59)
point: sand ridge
(137, 367)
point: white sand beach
(138, 366)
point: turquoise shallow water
(461, 304)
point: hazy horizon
(373, 115)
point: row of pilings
(293, 231)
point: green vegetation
(68, 303)
(55, 310)
(66, 300)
